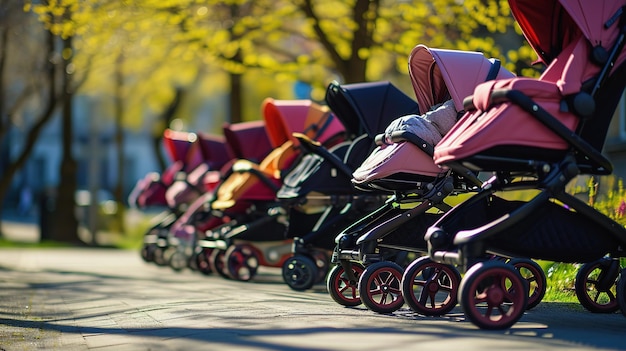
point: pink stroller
(205, 170)
(189, 152)
(150, 190)
(369, 254)
(538, 134)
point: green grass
(4, 243)
(560, 281)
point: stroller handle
(316, 148)
(404, 136)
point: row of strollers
(392, 200)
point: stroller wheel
(299, 272)
(202, 261)
(322, 262)
(595, 285)
(621, 292)
(341, 288)
(430, 288)
(159, 256)
(216, 262)
(147, 252)
(192, 261)
(241, 262)
(533, 274)
(380, 287)
(493, 295)
(177, 261)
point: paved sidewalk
(102, 299)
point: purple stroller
(538, 134)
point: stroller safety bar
(400, 136)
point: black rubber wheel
(192, 261)
(322, 262)
(343, 290)
(202, 261)
(242, 262)
(595, 285)
(159, 256)
(380, 287)
(178, 261)
(300, 272)
(534, 276)
(216, 260)
(621, 291)
(430, 288)
(147, 252)
(493, 295)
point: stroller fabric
(441, 78)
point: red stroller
(538, 134)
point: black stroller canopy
(368, 107)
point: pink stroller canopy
(551, 25)
(284, 117)
(435, 73)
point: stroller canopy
(437, 72)
(247, 140)
(284, 117)
(177, 144)
(368, 107)
(214, 150)
(551, 25)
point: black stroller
(318, 193)
(538, 134)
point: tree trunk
(11, 167)
(119, 143)
(166, 117)
(64, 225)
(235, 99)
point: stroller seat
(377, 173)
(251, 182)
